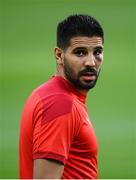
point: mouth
(89, 76)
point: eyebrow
(99, 47)
(78, 48)
(84, 48)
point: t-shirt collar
(72, 88)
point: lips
(89, 76)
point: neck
(84, 91)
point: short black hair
(77, 25)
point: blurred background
(27, 41)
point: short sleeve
(53, 129)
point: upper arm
(47, 169)
(54, 129)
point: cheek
(99, 63)
(98, 67)
(77, 67)
(73, 63)
(99, 58)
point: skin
(82, 53)
(47, 169)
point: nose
(90, 60)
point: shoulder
(56, 105)
(50, 106)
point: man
(57, 139)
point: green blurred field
(27, 39)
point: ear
(59, 55)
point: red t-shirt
(55, 125)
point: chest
(85, 141)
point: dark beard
(75, 78)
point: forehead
(86, 42)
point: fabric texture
(55, 125)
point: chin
(86, 86)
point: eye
(98, 52)
(80, 53)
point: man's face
(82, 61)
